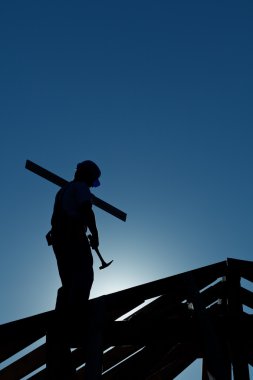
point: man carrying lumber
(72, 217)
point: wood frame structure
(195, 314)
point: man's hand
(93, 239)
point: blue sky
(159, 94)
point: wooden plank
(78, 357)
(214, 349)
(150, 361)
(35, 359)
(59, 181)
(147, 325)
(117, 354)
(172, 370)
(166, 305)
(248, 341)
(183, 348)
(16, 335)
(243, 267)
(213, 293)
(112, 358)
(235, 312)
(159, 307)
(176, 286)
(137, 366)
(150, 331)
(114, 312)
(209, 375)
(246, 297)
(25, 365)
(170, 364)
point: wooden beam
(243, 267)
(247, 297)
(25, 365)
(213, 293)
(166, 320)
(112, 358)
(117, 354)
(174, 286)
(160, 307)
(173, 369)
(153, 362)
(16, 335)
(139, 365)
(217, 366)
(174, 361)
(235, 312)
(59, 181)
(149, 331)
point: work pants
(75, 266)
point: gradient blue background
(159, 94)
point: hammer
(104, 264)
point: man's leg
(59, 363)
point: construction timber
(199, 314)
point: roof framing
(195, 314)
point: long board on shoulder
(59, 181)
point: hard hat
(89, 171)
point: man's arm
(91, 224)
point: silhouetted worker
(72, 217)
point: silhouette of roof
(195, 314)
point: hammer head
(105, 265)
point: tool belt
(72, 231)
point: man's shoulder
(82, 190)
(79, 185)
